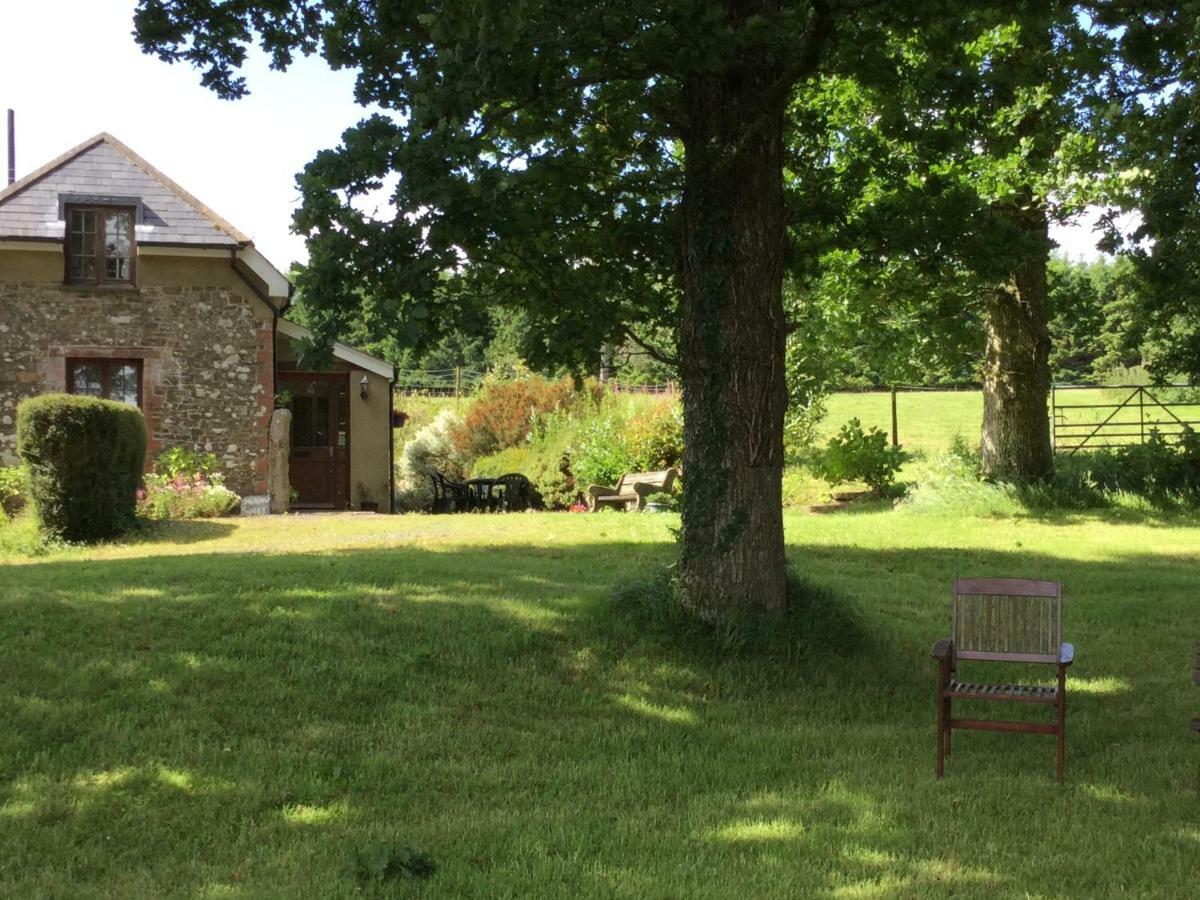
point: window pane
(83, 221)
(123, 383)
(117, 268)
(81, 243)
(85, 379)
(116, 234)
(117, 244)
(83, 267)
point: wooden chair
(632, 490)
(1003, 620)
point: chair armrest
(1066, 654)
(601, 490)
(943, 649)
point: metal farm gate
(1118, 415)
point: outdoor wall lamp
(364, 387)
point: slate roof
(100, 169)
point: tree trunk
(732, 334)
(1015, 442)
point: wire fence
(452, 382)
(463, 381)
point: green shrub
(432, 449)
(506, 412)
(186, 485)
(185, 498)
(14, 489)
(601, 454)
(544, 461)
(857, 455)
(176, 461)
(654, 436)
(85, 459)
(619, 440)
(1165, 475)
(667, 500)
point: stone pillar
(278, 484)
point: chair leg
(941, 735)
(1062, 724)
(949, 729)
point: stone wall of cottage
(206, 362)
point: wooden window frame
(106, 364)
(99, 257)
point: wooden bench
(1003, 620)
(632, 490)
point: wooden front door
(319, 464)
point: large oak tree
(606, 163)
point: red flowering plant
(185, 484)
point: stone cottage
(118, 283)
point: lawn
(236, 708)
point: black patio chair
(450, 496)
(518, 492)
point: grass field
(929, 420)
(237, 708)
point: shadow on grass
(181, 531)
(495, 709)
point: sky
(71, 69)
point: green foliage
(379, 861)
(857, 455)
(591, 444)
(14, 489)
(668, 500)
(600, 454)
(621, 439)
(544, 460)
(432, 449)
(1158, 476)
(85, 459)
(506, 412)
(182, 461)
(184, 496)
(1166, 474)
(1151, 112)
(1094, 326)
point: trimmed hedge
(85, 459)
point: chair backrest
(661, 480)
(1006, 619)
(516, 487)
(439, 486)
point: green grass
(929, 421)
(238, 708)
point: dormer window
(100, 245)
